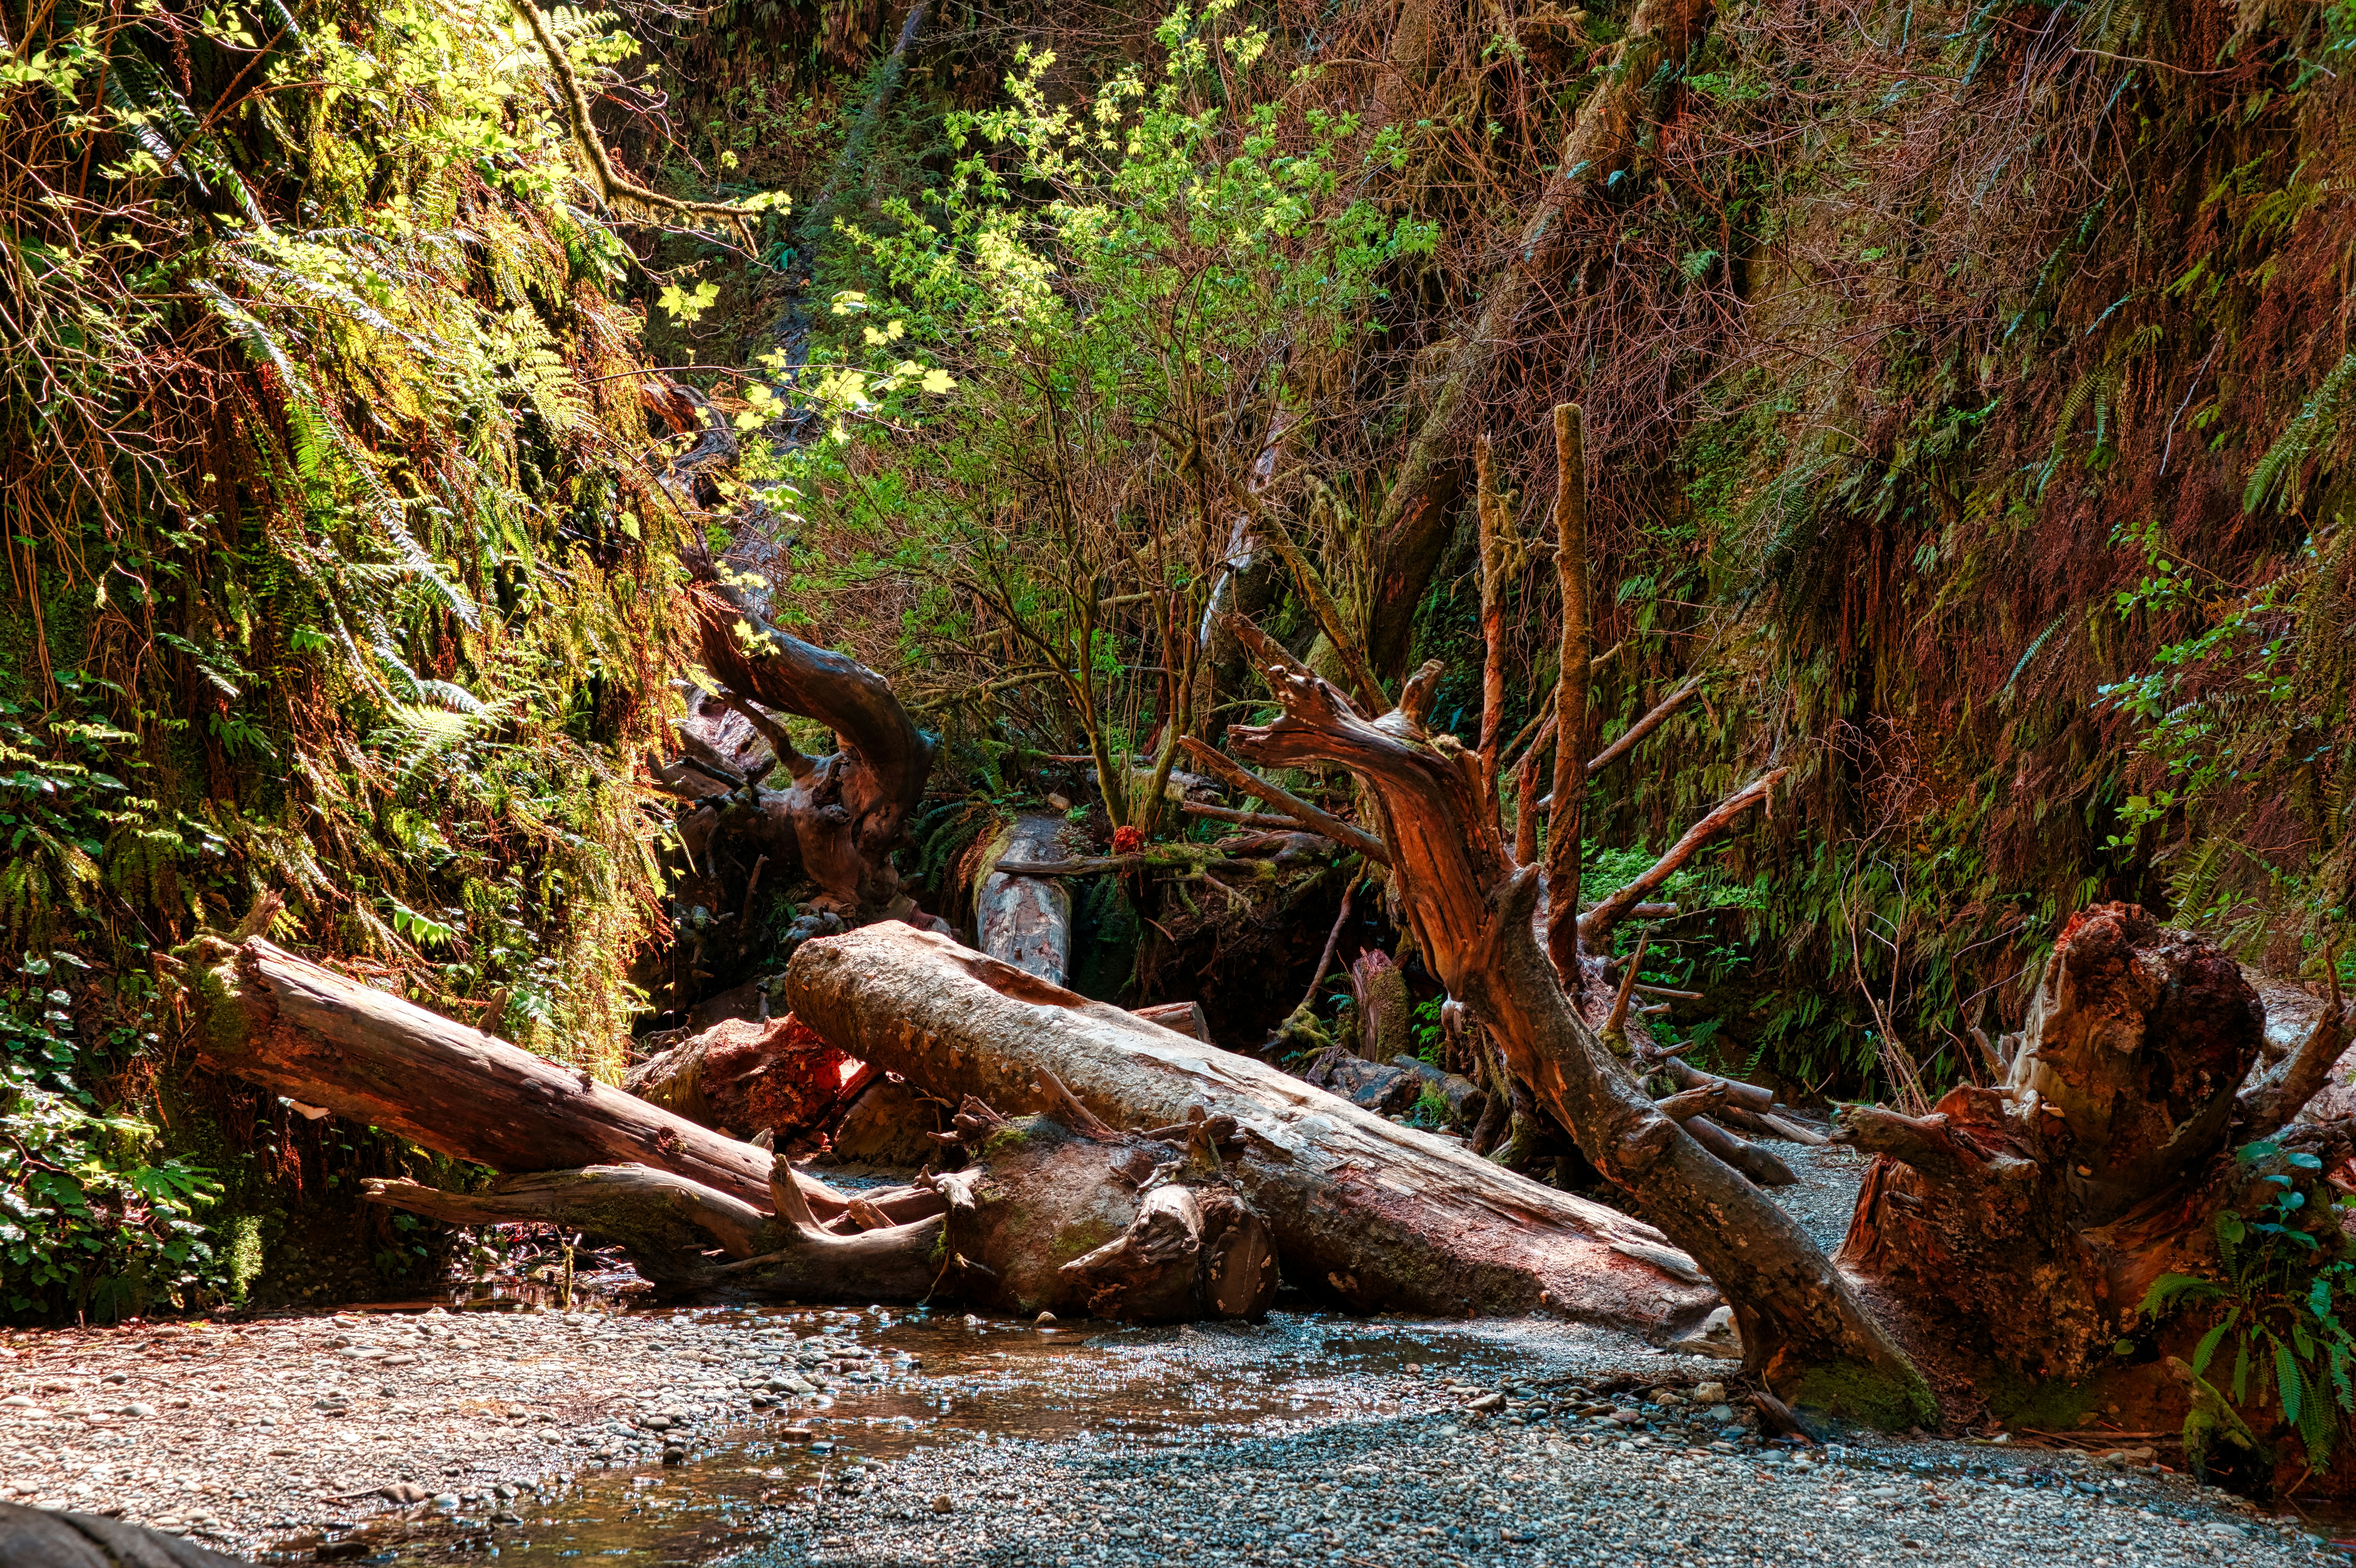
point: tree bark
(284, 1022)
(2100, 1162)
(1564, 826)
(1025, 920)
(1385, 1217)
(1073, 1216)
(1472, 910)
(843, 816)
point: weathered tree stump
(2100, 1162)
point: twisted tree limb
(615, 189)
(1316, 819)
(1471, 912)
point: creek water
(994, 1380)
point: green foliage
(336, 568)
(2279, 1303)
(1043, 410)
(97, 1220)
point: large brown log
(1385, 1216)
(285, 1023)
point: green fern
(2312, 430)
(2278, 1292)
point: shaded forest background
(1965, 390)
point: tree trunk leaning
(1471, 909)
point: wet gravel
(1826, 1194)
(773, 1437)
(1648, 1480)
(236, 1433)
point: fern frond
(2312, 430)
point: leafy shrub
(2280, 1302)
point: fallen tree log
(1385, 1217)
(585, 1156)
(1052, 1213)
(1025, 920)
(295, 1029)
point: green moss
(2049, 1404)
(1082, 1236)
(1867, 1394)
(244, 1257)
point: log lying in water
(1386, 1217)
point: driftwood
(1473, 908)
(700, 1213)
(1050, 1214)
(1385, 1217)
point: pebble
(249, 1432)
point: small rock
(943, 1505)
(1717, 1337)
(1709, 1394)
(1487, 1401)
(447, 1502)
(137, 1409)
(403, 1492)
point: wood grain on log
(298, 1029)
(2096, 1168)
(1385, 1216)
(664, 1221)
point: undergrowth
(332, 570)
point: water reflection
(995, 1380)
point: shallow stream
(996, 1380)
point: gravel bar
(427, 1437)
